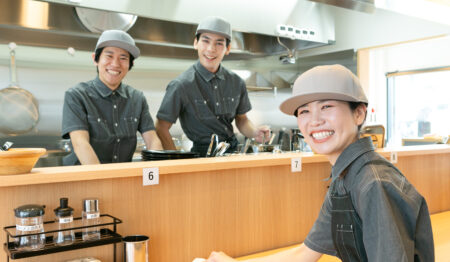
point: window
(418, 104)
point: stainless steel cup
(135, 248)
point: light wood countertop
(134, 169)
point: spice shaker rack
(107, 236)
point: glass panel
(418, 107)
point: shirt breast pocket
(202, 109)
(98, 127)
(231, 105)
(131, 125)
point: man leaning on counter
(101, 116)
(207, 97)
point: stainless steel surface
(6, 146)
(367, 6)
(58, 26)
(136, 248)
(246, 145)
(19, 110)
(214, 139)
(98, 21)
(223, 148)
(272, 137)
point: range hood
(367, 6)
(55, 25)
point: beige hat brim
(291, 104)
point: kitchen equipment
(284, 140)
(223, 149)
(29, 220)
(376, 133)
(64, 219)
(272, 137)
(214, 139)
(98, 21)
(19, 110)
(136, 248)
(19, 160)
(90, 217)
(246, 145)
(297, 143)
(155, 155)
(6, 146)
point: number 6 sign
(150, 176)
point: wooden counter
(238, 204)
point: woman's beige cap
(321, 83)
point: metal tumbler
(135, 248)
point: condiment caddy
(31, 236)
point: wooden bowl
(19, 160)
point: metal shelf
(107, 236)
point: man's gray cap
(215, 25)
(330, 82)
(120, 39)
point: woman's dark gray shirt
(395, 219)
(112, 119)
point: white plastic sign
(296, 164)
(150, 176)
(394, 158)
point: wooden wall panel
(237, 210)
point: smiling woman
(366, 189)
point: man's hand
(262, 134)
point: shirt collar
(207, 75)
(106, 91)
(350, 154)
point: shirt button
(113, 93)
(135, 120)
(118, 140)
(215, 87)
(232, 99)
(115, 106)
(115, 157)
(217, 117)
(98, 120)
(116, 124)
(204, 102)
(217, 104)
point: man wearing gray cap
(101, 116)
(371, 212)
(207, 97)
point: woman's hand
(219, 257)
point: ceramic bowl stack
(155, 155)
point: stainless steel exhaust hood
(54, 25)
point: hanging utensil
(98, 21)
(19, 110)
